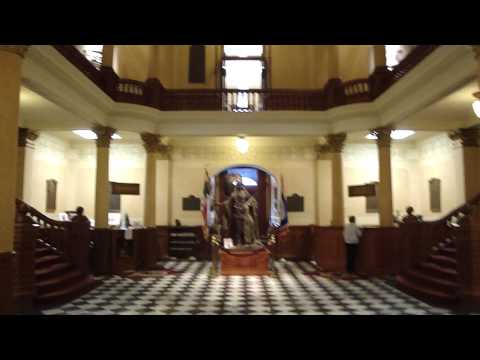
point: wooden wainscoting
(378, 252)
(328, 248)
(295, 245)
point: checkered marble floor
(194, 291)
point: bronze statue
(239, 220)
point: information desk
(245, 261)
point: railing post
(104, 252)
(24, 245)
(153, 93)
(334, 93)
(78, 246)
(379, 81)
(109, 81)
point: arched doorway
(260, 183)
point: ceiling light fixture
(90, 135)
(242, 145)
(395, 135)
(476, 104)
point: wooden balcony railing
(335, 93)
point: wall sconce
(242, 145)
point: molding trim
(47, 72)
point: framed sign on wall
(51, 195)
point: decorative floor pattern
(290, 292)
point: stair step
(42, 250)
(68, 293)
(439, 271)
(425, 293)
(434, 282)
(52, 270)
(443, 260)
(57, 282)
(447, 251)
(47, 260)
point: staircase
(434, 257)
(57, 279)
(436, 279)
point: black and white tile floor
(290, 292)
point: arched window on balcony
(93, 53)
(243, 73)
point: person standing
(351, 235)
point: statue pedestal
(244, 262)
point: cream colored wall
(291, 66)
(440, 158)
(127, 165)
(51, 158)
(413, 164)
(73, 166)
(353, 61)
(132, 61)
(188, 165)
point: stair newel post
(462, 246)
(24, 247)
(79, 246)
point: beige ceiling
(451, 112)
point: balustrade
(334, 94)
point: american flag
(283, 229)
(207, 190)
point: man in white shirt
(351, 235)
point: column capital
(25, 134)
(383, 136)
(336, 142)
(322, 149)
(19, 50)
(104, 135)
(153, 144)
(469, 137)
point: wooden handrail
(70, 240)
(335, 93)
(418, 239)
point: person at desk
(80, 218)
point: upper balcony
(334, 94)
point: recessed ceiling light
(476, 107)
(395, 135)
(401, 134)
(90, 135)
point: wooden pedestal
(244, 262)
